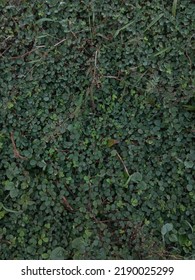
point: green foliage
(97, 147)
(58, 254)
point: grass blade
(154, 21)
(190, 108)
(122, 28)
(127, 182)
(174, 8)
(162, 51)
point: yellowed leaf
(112, 142)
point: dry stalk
(27, 53)
(16, 152)
(67, 205)
(126, 170)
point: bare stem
(126, 170)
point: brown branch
(27, 53)
(60, 42)
(190, 62)
(16, 152)
(126, 170)
(94, 81)
(67, 205)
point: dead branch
(126, 170)
(67, 205)
(16, 152)
(27, 53)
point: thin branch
(1, 54)
(96, 58)
(91, 87)
(126, 170)
(67, 205)
(27, 53)
(60, 42)
(112, 77)
(190, 62)
(16, 152)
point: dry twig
(126, 170)
(67, 205)
(16, 152)
(27, 53)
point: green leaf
(173, 238)
(10, 105)
(14, 193)
(188, 164)
(136, 177)
(33, 162)
(113, 153)
(9, 185)
(58, 254)
(78, 243)
(134, 202)
(166, 228)
(184, 240)
(189, 187)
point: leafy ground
(96, 144)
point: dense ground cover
(96, 145)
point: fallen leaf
(112, 142)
